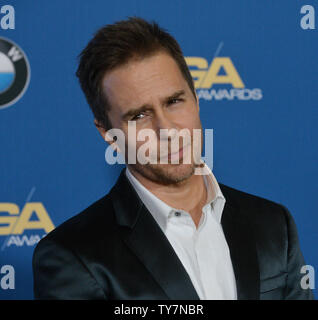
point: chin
(168, 173)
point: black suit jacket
(115, 250)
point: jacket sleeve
(59, 274)
(295, 261)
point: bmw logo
(14, 73)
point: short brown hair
(114, 45)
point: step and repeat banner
(255, 69)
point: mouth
(174, 156)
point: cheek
(189, 115)
(189, 121)
(149, 140)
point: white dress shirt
(203, 251)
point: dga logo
(223, 74)
(19, 226)
(14, 73)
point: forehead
(144, 79)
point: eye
(174, 101)
(138, 116)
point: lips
(174, 156)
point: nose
(165, 126)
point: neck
(190, 195)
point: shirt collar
(161, 210)
(215, 197)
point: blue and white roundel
(14, 73)
(7, 72)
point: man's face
(153, 93)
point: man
(163, 232)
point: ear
(106, 135)
(100, 129)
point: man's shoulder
(244, 197)
(95, 220)
(257, 208)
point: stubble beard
(166, 174)
(170, 173)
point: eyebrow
(145, 107)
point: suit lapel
(161, 260)
(145, 238)
(239, 237)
